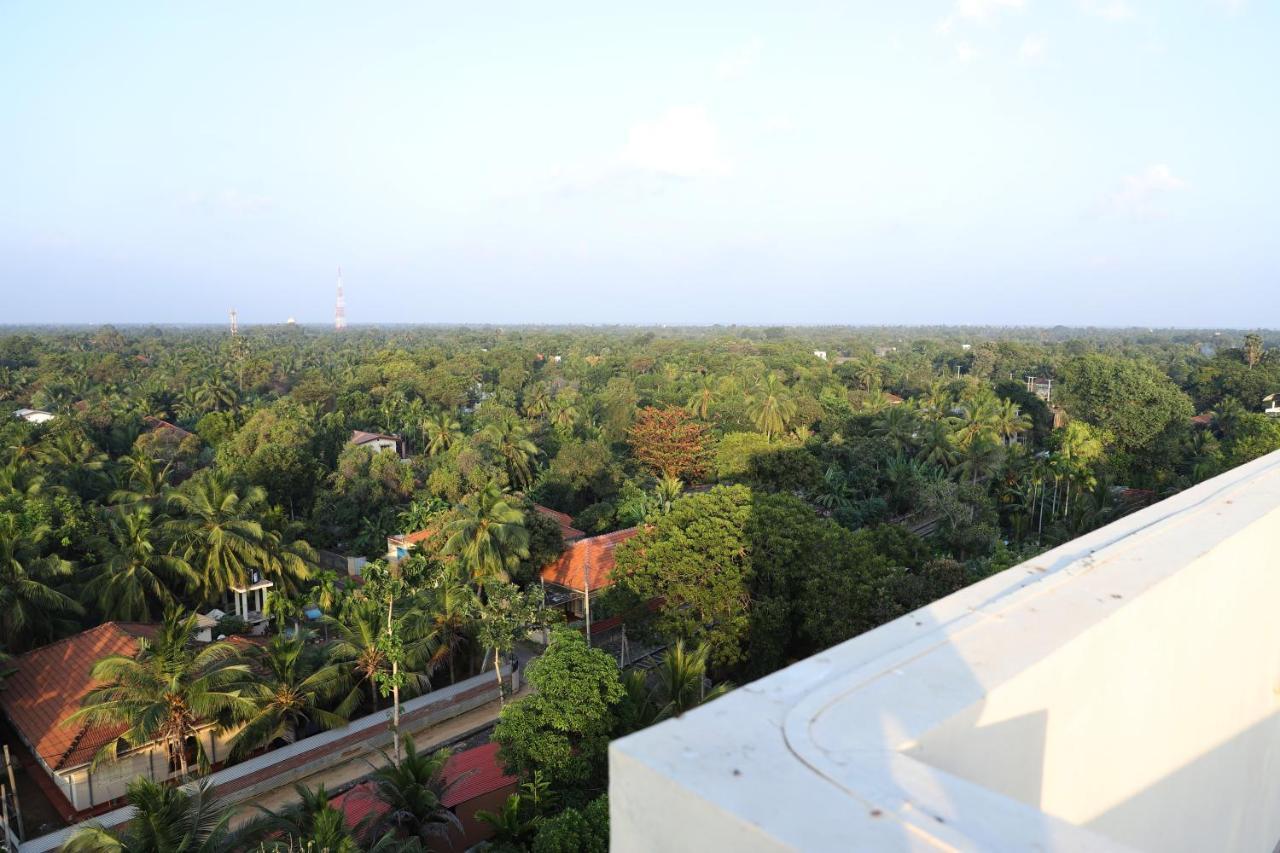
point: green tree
(165, 819)
(488, 536)
(443, 431)
(771, 406)
(31, 608)
(562, 727)
(291, 690)
(217, 531)
(506, 615)
(1130, 398)
(414, 789)
(136, 580)
(695, 558)
(167, 690)
(576, 830)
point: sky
(1022, 162)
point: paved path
(426, 738)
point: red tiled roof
(415, 537)
(567, 570)
(1204, 419)
(359, 803)
(567, 531)
(48, 685)
(471, 773)
(156, 423)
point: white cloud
(966, 52)
(683, 142)
(1032, 49)
(1110, 10)
(737, 62)
(1139, 194)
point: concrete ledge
(1117, 692)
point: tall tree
(165, 819)
(137, 579)
(488, 536)
(414, 789)
(217, 531)
(771, 406)
(166, 691)
(31, 608)
(669, 442)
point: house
(893, 399)
(1042, 388)
(47, 687)
(378, 442)
(475, 780)
(820, 353)
(1204, 419)
(249, 602)
(581, 572)
(1274, 408)
(399, 546)
(34, 416)
(157, 425)
(882, 352)
(567, 530)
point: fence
(319, 752)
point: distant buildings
(34, 416)
(1042, 388)
(820, 353)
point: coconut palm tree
(216, 530)
(356, 650)
(143, 481)
(1009, 422)
(771, 406)
(705, 395)
(31, 610)
(510, 440)
(291, 689)
(935, 445)
(489, 536)
(136, 579)
(414, 790)
(168, 690)
(165, 819)
(899, 424)
(682, 680)
(537, 401)
(443, 432)
(450, 609)
(981, 458)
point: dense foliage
(785, 502)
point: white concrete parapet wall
(1119, 692)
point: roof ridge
(112, 624)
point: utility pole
(17, 805)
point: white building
(378, 442)
(1119, 692)
(34, 416)
(820, 353)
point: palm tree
(443, 431)
(450, 608)
(31, 610)
(936, 446)
(165, 819)
(771, 406)
(981, 458)
(167, 691)
(667, 491)
(357, 652)
(489, 536)
(289, 692)
(564, 412)
(414, 790)
(537, 402)
(899, 424)
(682, 680)
(705, 395)
(513, 826)
(510, 440)
(136, 578)
(1009, 422)
(145, 480)
(216, 531)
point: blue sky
(1107, 162)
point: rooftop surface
(1118, 692)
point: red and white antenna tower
(340, 310)
(234, 330)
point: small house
(583, 571)
(34, 416)
(567, 531)
(378, 442)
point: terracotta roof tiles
(595, 552)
